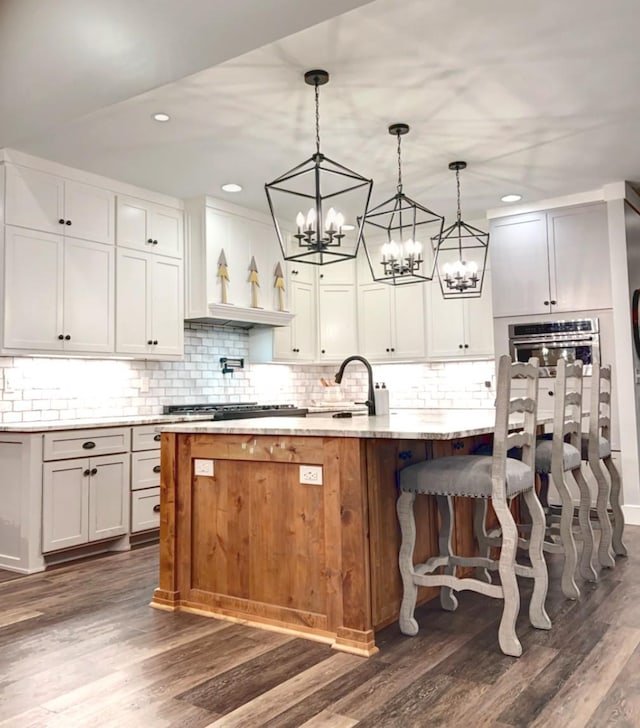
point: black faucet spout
(371, 405)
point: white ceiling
(540, 97)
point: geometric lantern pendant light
(462, 254)
(315, 205)
(398, 233)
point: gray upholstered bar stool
(596, 450)
(561, 459)
(481, 476)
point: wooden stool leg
(507, 637)
(406, 519)
(537, 613)
(605, 554)
(480, 532)
(568, 584)
(618, 518)
(587, 570)
(448, 600)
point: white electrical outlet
(311, 474)
(203, 467)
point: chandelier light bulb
(330, 222)
(311, 218)
(395, 250)
(300, 221)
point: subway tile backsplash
(35, 388)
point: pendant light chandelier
(398, 233)
(462, 254)
(316, 204)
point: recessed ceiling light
(348, 227)
(232, 187)
(511, 198)
(160, 116)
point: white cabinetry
(551, 261)
(84, 499)
(149, 305)
(297, 342)
(144, 225)
(337, 311)
(145, 479)
(59, 293)
(459, 328)
(391, 319)
(49, 203)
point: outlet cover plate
(311, 474)
(203, 467)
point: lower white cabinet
(145, 478)
(84, 500)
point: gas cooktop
(235, 410)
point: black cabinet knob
(155, 242)
(321, 275)
(546, 303)
(156, 508)
(322, 351)
(157, 437)
(67, 338)
(392, 349)
(156, 468)
(155, 342)
(387, 349)
(553, 302)
(466, 346)
(67, 222)
(149, 341)
(94, 471)
(61, 221)
(459, 346)
(89, 445)
(550, 393)
(61, 336)
(150, 241)
(86, 473)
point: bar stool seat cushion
(604, 447)
(570, 456)
(463, 475)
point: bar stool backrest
(600, 415)
(567, 417)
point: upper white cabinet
(460, 328)
(337, 311)
(59, 293)
(149, 309)
(391, 319)
(551, 261)
(145, 225)
(46, 202)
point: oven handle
(554, 342)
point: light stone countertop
(91, 423)
(430, 424)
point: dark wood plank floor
(79, 646)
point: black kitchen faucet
(371, 405)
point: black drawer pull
(156, 508)
(87, 472)
(157, 437)
(89, 445)
(156, 468)
(94, 471)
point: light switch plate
(203, 467)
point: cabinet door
(133, 303)
(520, 265)
(34, 199)
(343, 272)
(445, 325)
(108, 496)
(409, 337)
(65, 504)
(166, 229)
(580, 273)
(303, 328)
(133, 225)
(478, 322)
(33, 281)
(91, 212)
(89, 288)
(337, 321)
(167, 307)
(374, 320)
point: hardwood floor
(79, 646)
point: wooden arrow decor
(255, 282)
(279, 285)
(223, 275)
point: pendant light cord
(458, 188)
(399, 187)
(317, 118)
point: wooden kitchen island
(251, 543)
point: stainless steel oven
(550, 341)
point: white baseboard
(631, 515)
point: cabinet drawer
(145, 469)
(145, 509)
(145, 437)
(84, 443)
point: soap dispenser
(381, 397)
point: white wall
(36, 388)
